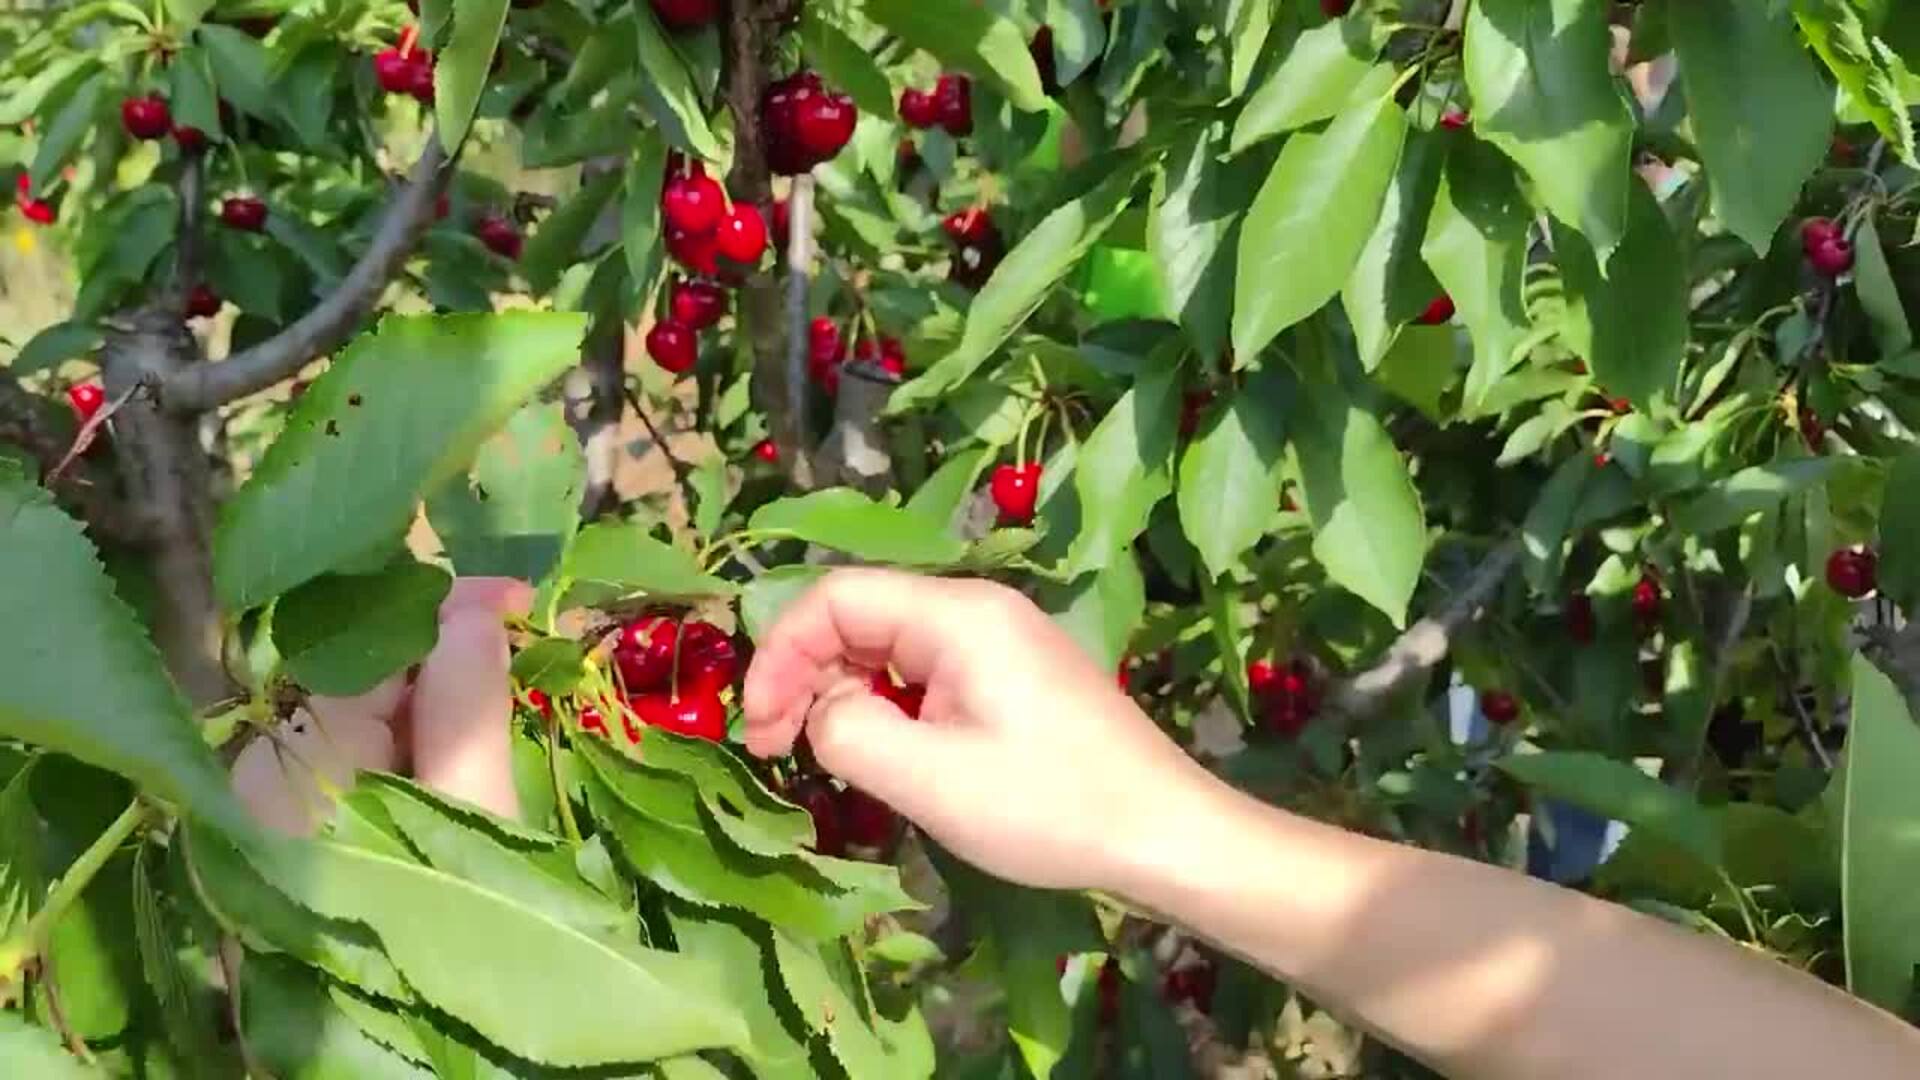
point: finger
(868, 742)
(462, 712)
(377, 705)
(867, 618)
(496, 596)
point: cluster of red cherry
(1286, 694)
(978, 245)
(148, 117)
(708, 237)
(846, 818)
(827, 351)
(38, 211)
(671, 673)
(802, 123)
(407, 68)
(948, 105)
(1826, 247)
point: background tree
(1469, 422)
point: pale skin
(1029, 763)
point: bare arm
(1028, 763)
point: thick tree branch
(206, 386)
(186, 260)
(855, 451)
(1425, 644)
(84, 489)
(799, 258)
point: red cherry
(893, 356)
(970, 226)
(1333, 9)
(1262, 677)
(1192, 404)
(1579, 618)
(1193, 985)
(918, 108)
(697, 305)
(1500, 707)
(680, 15)
(393, 70)
(698, 715)
(1853, 572)
(743, 234)
(693, 203)
(1015, 490)
(86, 399)
(821, 803)
(822, 124)
(1122, 677)
(1454, 120)
(420, 77)
(243, 212)
(698, 252)
(191, 140)
(953, 98)
(1620, 405)
(1647, 601)
(39, 211)
(673, 346)
(781, 218)
(538, 700)
(1816, 231)
(766, 451)
(1832, 258)
(1811, 429)
(146, 117)
(1041, 49)
(907, 698)
(202, 302)
(643, 652)
(1438, 310)
(1109, 989)
(499, 235)
(592, 722)
(869, 822)
(708, 662)
(823, 337)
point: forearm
(1481, 972)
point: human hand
(1026, 760)
(451, 723)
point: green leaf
(1023, 279)
(667, 88)
(29, 1050)
(1192, 231)
(1421, 367)
(75, 120)
(1229, 482)
(556, 244)
(1543, 533)
(514, 513)
(1369, 531)
(1100, 611)
(1125, 469)
(1476, 244)
(184, 1013)
(27, 97)
(460, 71)
(341, 634)
(1079, 37)
(743, 956)
(845, 64)
(241, 70)
(1321, 68)
(640, 232)
(615, 559)
(1312, 217)
(1873, 282)
(833, 1011)
(845, 520)
(969, 38)
(1899, 569)
(1615, 789)
(53, 346)
(1245, 25)
(87, 680)
(1390, 284)
(942, 494)
(1864, 66)
(295, 1029)
(471, 952)
(186, 13)
(247, 272)
(1726, 503)
(769, 594)
(1761, 115)
(22, 873)
(397, 413)
(1880, 842)
(191, 95)
(1631, 323)
(1542, 93)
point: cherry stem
(563, 804)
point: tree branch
(186, 260)
(1426, 643)
(855, 451)
(30, 422)
(206, 386)
(799, 256)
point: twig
(1808, 730)
(90, 428)
(56, 1012)
(799, 276)
(186, 261)
(682, 472)
(1426, 642)
(205, 386)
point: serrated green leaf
(28, 96)
(183, 1013)
(241, 70)
(1101, 610)
(1314, 77)
(1307, 226)
(22, 873)
(76, 118)
(667, 88)
(295, 1029)
(29, 1050)
(191, 96)
(1193, 229)
(460, 71)
(341, 634)
(968, 38)
(1476, 243)
(729, 788)
(1022, 280)
(517, 509)
(556, 244)
(616, 559)
(1369, 530)
(844, 64)
(1631, 323)
(1125, 469)
(846, 520)
(1390, 284)
(471, 951)
(398, 412)
(1863, 65)
(87, 681)
(768, 594)
(1879, 824)
(554, 666)
(1615, 789)
(1229, 479)
(742, 954)
(1761, 115)
(1543, 94)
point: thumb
(867, 741)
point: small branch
(89, 430)
(1425, 643)
(186, 261)
(594, 409)
(682, 472)
(799, 276)
(1808, 730)
(56, 1012)
(206, 386)
(855, 451)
